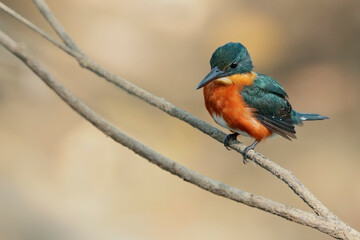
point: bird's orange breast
(226, 105)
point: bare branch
(35, 28)
(45, 11)
(327, 226)
(283, 174)
(327, 222)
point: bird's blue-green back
(272, 108)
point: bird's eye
(234, 65)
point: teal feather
(272, 108)
(298, 117)
(229, 53)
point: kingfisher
(246, 102)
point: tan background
(60, 178)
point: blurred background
(60, 178)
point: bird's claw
(228, 139)
(245, 156)
(246, 150)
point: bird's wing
(270, 104)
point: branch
(323, 224)
(60, 31)
(218, 188)
(35, 28)
(327, 223)
(281, 173)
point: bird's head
(227, 60)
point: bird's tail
(298, 117)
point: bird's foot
(229, 138)
(245, 156)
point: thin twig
(327, 226)
(45, 11)
(35, 28)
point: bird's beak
(212, 75)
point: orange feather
(223, 100)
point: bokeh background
(60, 178)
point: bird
(247, 102)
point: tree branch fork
(323, 219)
